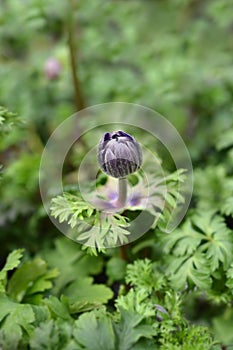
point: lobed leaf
(13, 261)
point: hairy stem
(122, 192)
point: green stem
(121, 201)
(122, 192)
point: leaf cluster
(200, 252)
(97, 229)
(27, 303)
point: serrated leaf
(31, 277)
(71, 262)
(54, 335)
(182, 241)
(13, 261)
(83, 293)
(140, 274)
(227, 207)
(93, 330)
(43, 283)
(17, 319)
(58, 308)
(112, 229)
(131, 329)
(41, 313)
(70, 208)
(137, 301)
(199, 248)
(189, 269)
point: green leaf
(137, 300)
(71, 262)
(93, 330)
(225, 139)
(222, 327)
(214, 189)
(41, 313)
(83, 295)
(17, 319)
(217, 241)
(115, 269)
(97, 230)
(140, 274)
(13, 260)
(58, 308)
(31, 278)
(130, 329)
(229, 282)
(145, 344)
(200, 247)
(71, 208)
(227, 207)
(53, 336)
(184, 241)
(194, 268)
(7, 120)
(145, 274)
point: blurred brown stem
(124, 252)
(78, 96)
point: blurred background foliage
(174, 56)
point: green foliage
(222, 326)
(71, 208)
(115, 269)
(225, 140)
(198, 250)
(53, 335)
(104, 230)
(214, 189)
(71, 262)
(98, 229)
(7, 120)
(31, 280)
(197, 336)
(161, 310)
(158, 292)
(13, 260)
(99, 325)
(131, 328)
(83, 295)
(17, 319)
(25, 307)
(141, 274)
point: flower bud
(52, 68)
(119, 154)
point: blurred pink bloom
(52, 68)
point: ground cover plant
(167, 291)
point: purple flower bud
(119, 154)
(52, 68)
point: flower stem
(122, 192)
(78, 94)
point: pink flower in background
(52, 68)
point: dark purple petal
(124, 134)
(119, 154)
(107, 136)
